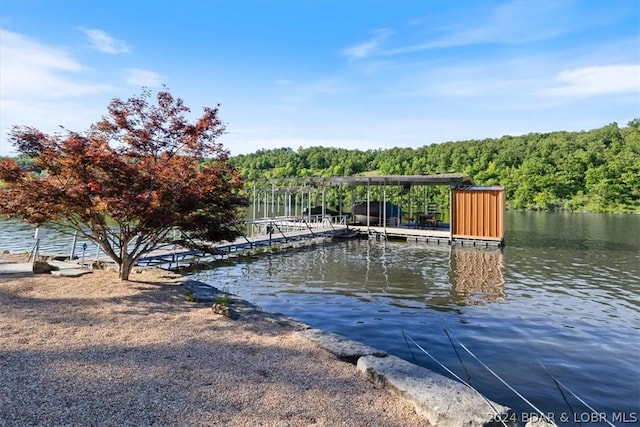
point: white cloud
(45, 86)
(597, 80)
(17, 48)
(103, 42)
(510, 23)
(370, 47)
(140, 77)
(31, 69)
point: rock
(71, 272)
(443, 401)
(342, 347)
(224, 310)
(201, 292)
(42, 267)
(97, 265)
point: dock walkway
(280, 236)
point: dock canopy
(404, 180)
(471, 213)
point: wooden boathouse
(462, 214)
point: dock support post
(84, 249)
(97, 256)
(73, 245)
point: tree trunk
(126, 261)
(125, 268)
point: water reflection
(476, 276)
(573, 231)
(401, 274)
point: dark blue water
(562, 300)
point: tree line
(596, 170)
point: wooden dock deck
(436, 236)
(439, 235)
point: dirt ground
(94, 350)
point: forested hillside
(597, 170)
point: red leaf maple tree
(130, 180)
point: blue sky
(352, 74)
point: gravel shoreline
(93, 350)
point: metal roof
(404, 180)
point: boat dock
(380, 207)
(276, 234)
(440, 208)
(297, 212)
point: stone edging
(442, 401)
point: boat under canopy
(376, 213)
(319, 210)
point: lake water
(562, 299)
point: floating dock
(293, 232)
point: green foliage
(597, 170)
(223, 300)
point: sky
(350, 73)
